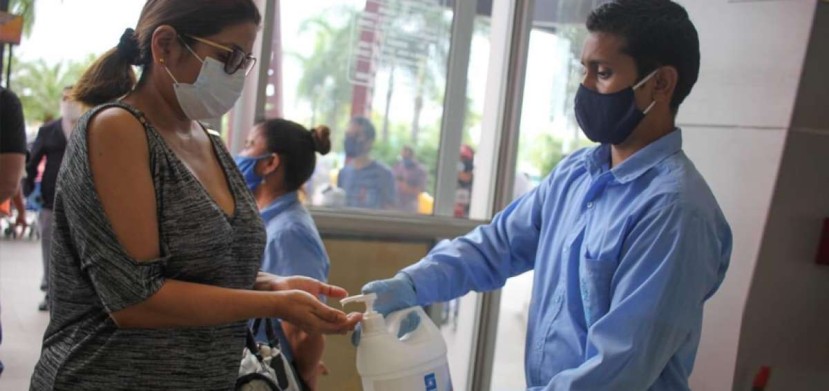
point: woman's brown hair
(111, 76)
(297, 148)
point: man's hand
(392, 294)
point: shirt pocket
(595, 279)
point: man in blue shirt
(367, 182)
(626, 239)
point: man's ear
(665, 84)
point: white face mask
(212, 94)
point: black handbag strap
(250, 343)
(270, 331)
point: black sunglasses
(237, 59)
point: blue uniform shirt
(624, 259)
(294, 246)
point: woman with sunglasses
(157, 242)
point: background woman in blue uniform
(278, 158)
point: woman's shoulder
(114, 125)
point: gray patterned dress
(92, 276)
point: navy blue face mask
(609, 118)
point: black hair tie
(128, 47)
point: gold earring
(161, 60)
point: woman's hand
(271, 282)
(306, 312)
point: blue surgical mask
(609, 118)
(247, 166)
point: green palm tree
(40, 85)
(324, 83)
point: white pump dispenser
(414, 362)
(372, 322)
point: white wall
(734, 125)
(740, 165)
(786, 321)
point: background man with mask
(367, 182)
(12, 150)
(50, 144)
(411, 180)
(466, 173)
(626, 239)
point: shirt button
(589, 204)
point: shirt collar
(279, 205)
(598, 160)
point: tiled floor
(23, 324)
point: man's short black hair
(657, 33)
(366, 125)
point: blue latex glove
(392, 294)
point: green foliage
(40, 85)
(326, 88)
(324, 83)
(545, 153)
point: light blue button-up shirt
(624, 259)
(293, 247)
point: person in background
(411, 180)
(626, 239)
(19, 205)
(367, 183)
(463, 194)
(12, 151)
(278, 158)
(12, 143)
(157, 241)
(49, 146)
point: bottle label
(432, 381)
